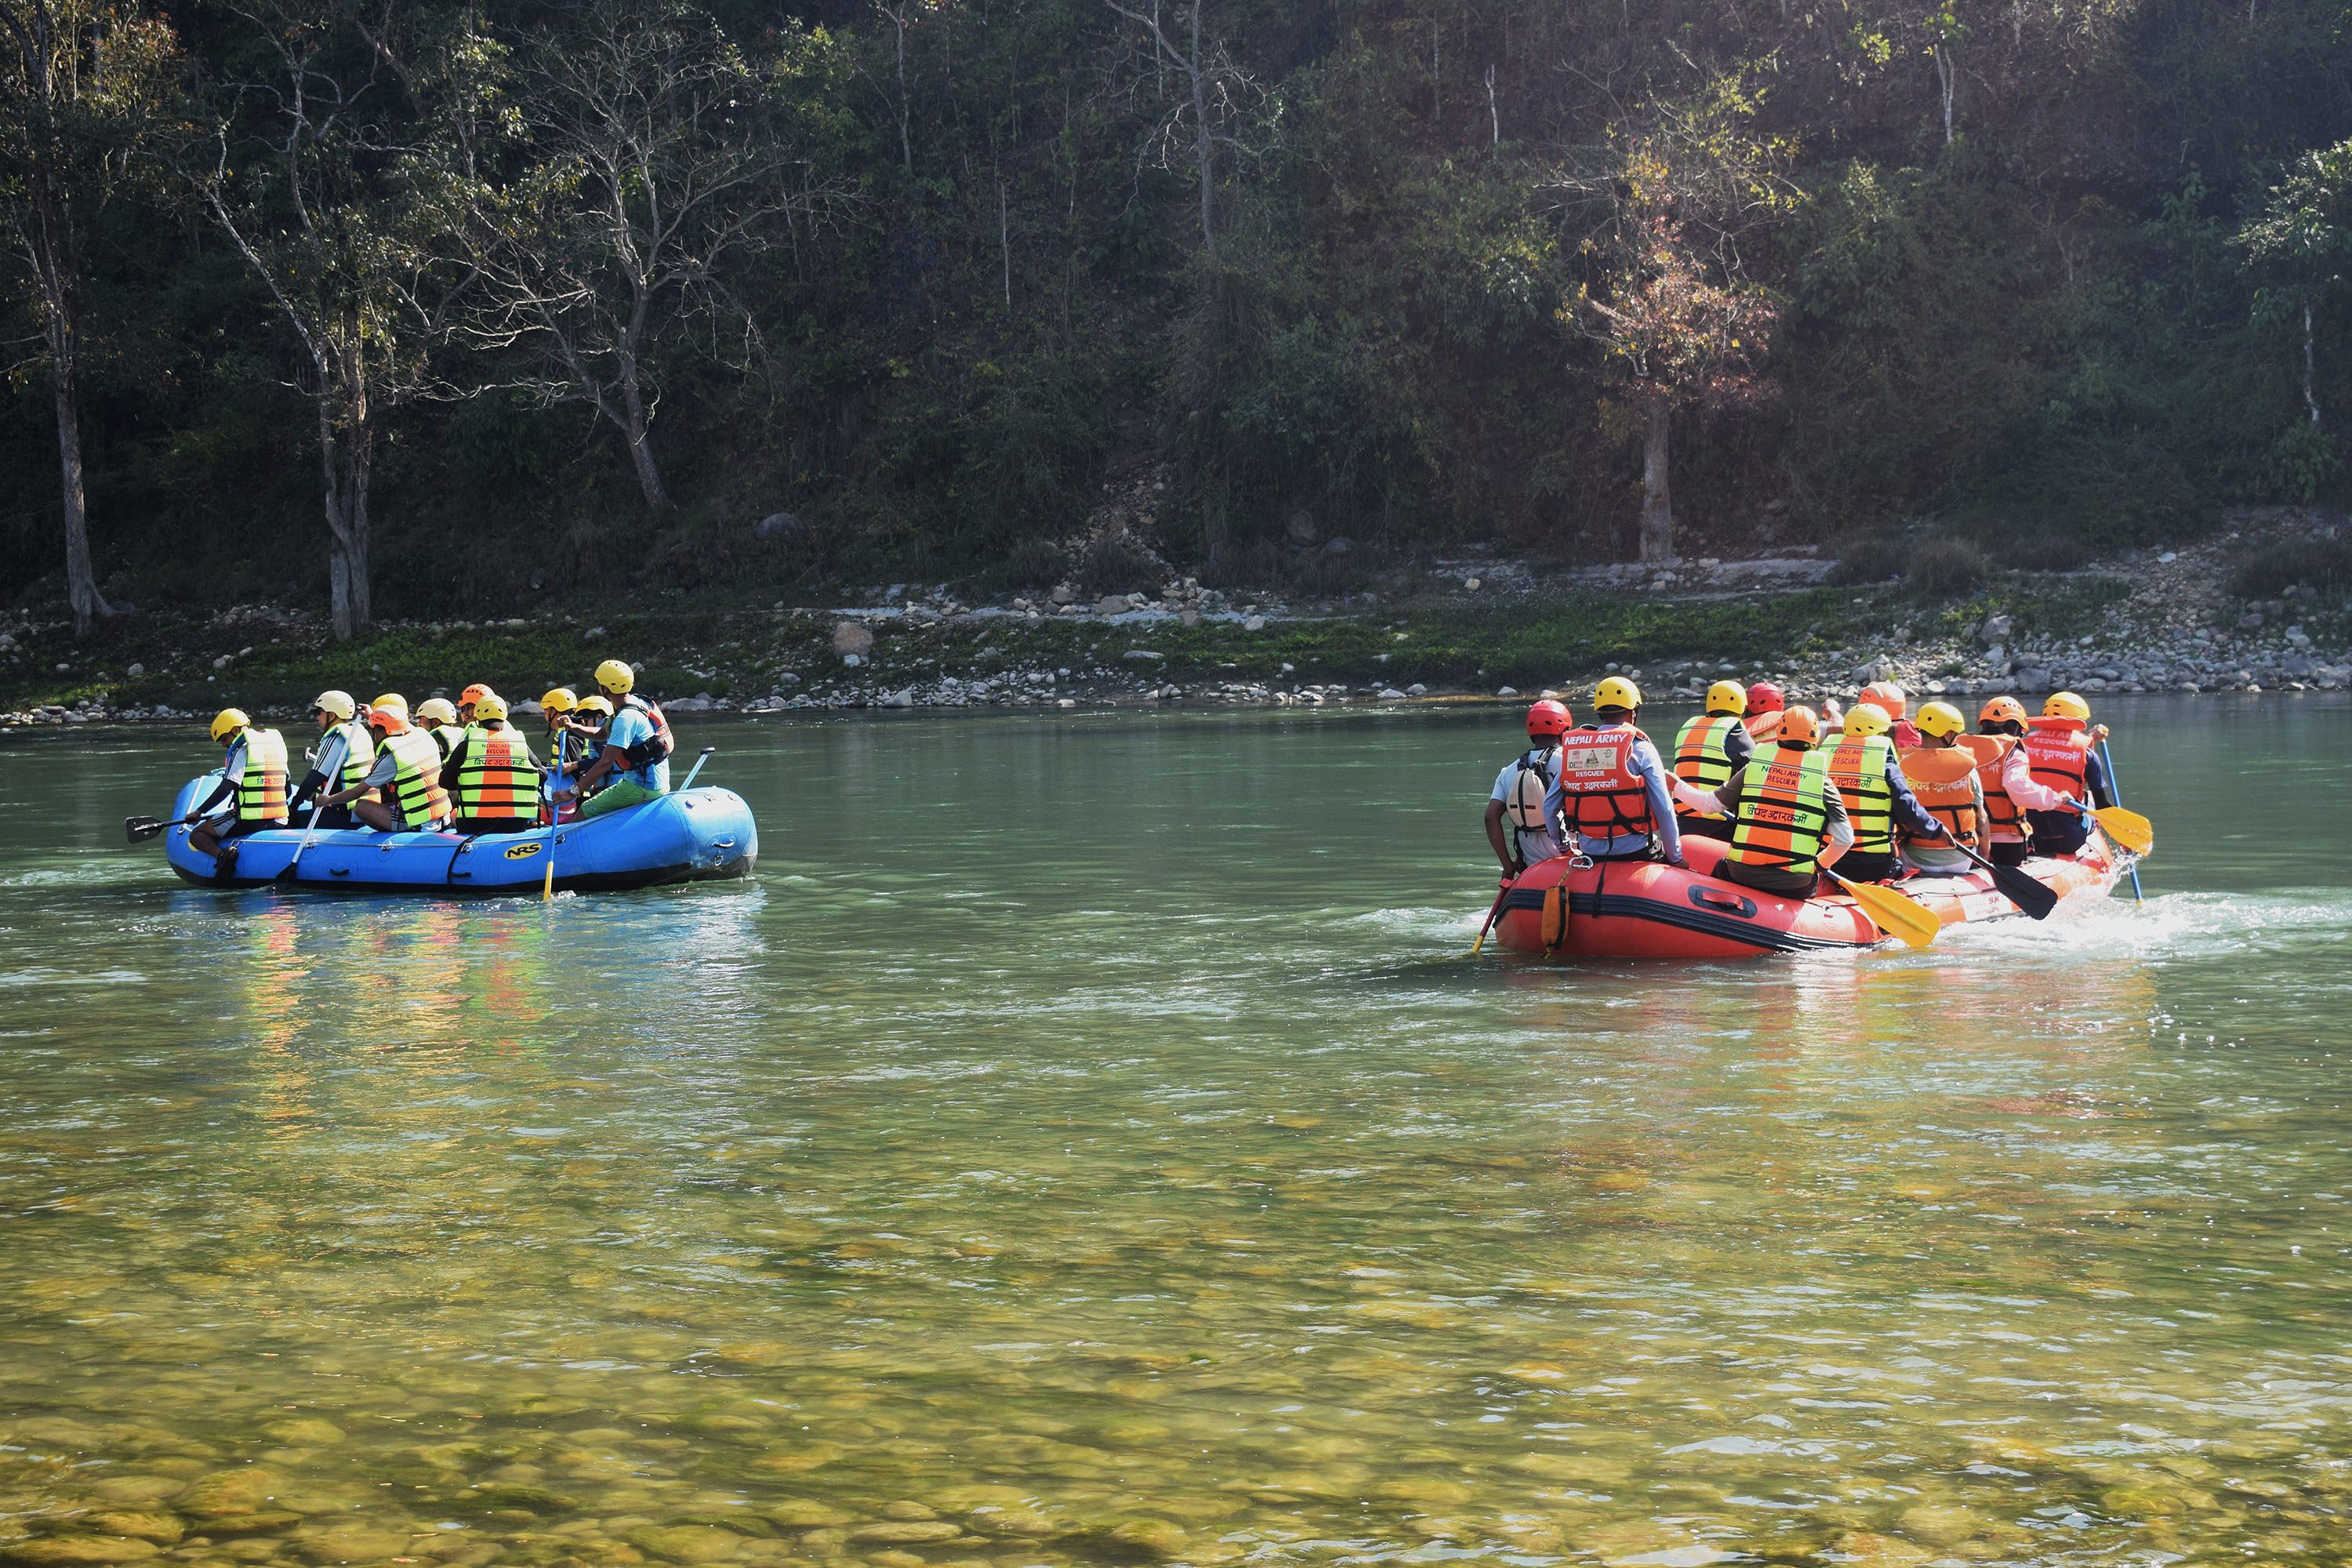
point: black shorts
(1705, 828)
(1777, 880)
(1865, 865)
(2001, 852)
(239, 828)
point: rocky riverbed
(1471, 626)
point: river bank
(1468, 625)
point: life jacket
(1700, 759)
(2003, 821)
(1604, 797)
(1783, 817)
(359, 758)
(1858, 768)
(261, 787)
(2058, 752)
(416, 793)
(1524, 803)
(497, 777)
(1944, 781)
(447, 737)
(660, 745)
(1764, 729)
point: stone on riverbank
(76, 1552)
(687, 1543)
(230, 1493)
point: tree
(1679, 324)
(82, 85)
(2302, 245)
(1218, 93)
(346, 213)
(666, 168)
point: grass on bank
(745, 653)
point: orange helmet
(472, 694)
(2002, 710)
(1800, 727)
(390, 720)
(1886, 697)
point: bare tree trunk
(1494, 115)
(81, 583)
(1944, 79)
(2310, 397)
(344, 461)
(1657, 499)
(1203, 150)
(633, 405)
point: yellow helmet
(1617, 692)
(228, 722)
(560, 701)
(436, 711)
(615, 675)
(1867, 719)
(595, 705)
(1940, 719)
(391, 699)
(335, 704)
(2066, 705)
(492, 706)
(1726, 697)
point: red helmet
(1549, 718)
(1765, 698)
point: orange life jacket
(2058, 752)
(1944, 780)
(2005, 823)
(1604, 797)
(1764, 729)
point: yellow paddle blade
(2128, 828)
(1896, 915)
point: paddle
(310, 830)
(554, 812)
(2016, 884)
(1495, 909)
(696, 769)
(2128, 828)
(1895, 915)
(139, 829)
(2108, 759)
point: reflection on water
(1000, 1179)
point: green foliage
(2323, 565)
(1945, 568)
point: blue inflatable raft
(696, 835)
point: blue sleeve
(1908, 809)
(1653, 770)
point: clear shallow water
(1083, 1142)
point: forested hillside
(431, 307)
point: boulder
(76, 1552)
(1996, 630)
(1112, 604)
(853, 637)
(1300, 530)
(779, 525)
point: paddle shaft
(696, 769)
(1493, 910)
(2108, 761)
(2006, 877)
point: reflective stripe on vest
(261, 787)
(2058, 754)
(1700, 759)
(1524, 805)
(1858, 768)
(416, 792)
(359, 758)
(1603, 796)
(497, 777)
(1783, 811)
(1944, 781)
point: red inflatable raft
(1640, 908)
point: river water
(1086, 1142)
